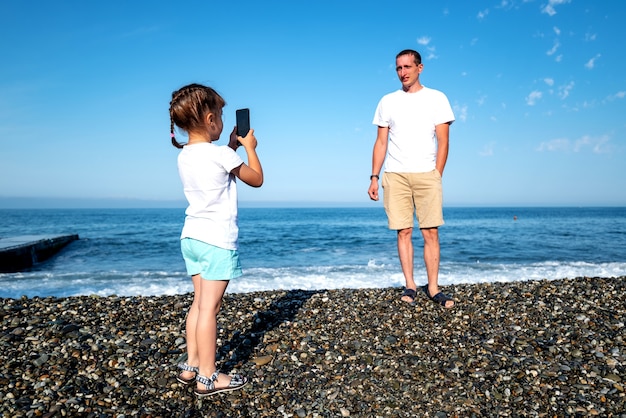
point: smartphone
(243, 121)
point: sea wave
(371, 275)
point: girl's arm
(251, 173)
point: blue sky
(538, 89)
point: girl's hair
(189, 106)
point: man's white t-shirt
(411, 119)
(211, 191)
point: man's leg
(431, 260)
(398, 202)
(405, 253)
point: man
(413, 133)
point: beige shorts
(408, 193)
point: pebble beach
(520, 349)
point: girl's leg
(190, 328)
(210, 302)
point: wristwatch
(374, 175)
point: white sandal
(236, 382)
(187, 368)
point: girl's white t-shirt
(211, 191)
(411, 119)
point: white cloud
(552, 51)
(557, 30)
(559, 144)
(430, 53)
(482, 14)
(460, 112)
(617, 96)
(487, 150)
(533, 97)
(588, 104)
(565, 90)
(430, 50)
(549, 8)
(504, 4)
(597, 145)
(590, 37)
(424, 40)
(549, 81)
(592, 62)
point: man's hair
(416, 55)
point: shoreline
(527, 348)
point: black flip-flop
(410, 293)
(440, 298)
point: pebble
(530, 349)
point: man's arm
(443, 139)
(378, 157)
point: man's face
(408, 72)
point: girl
(209, 235)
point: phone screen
(243, 121)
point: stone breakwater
(524, 349)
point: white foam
(372, 275)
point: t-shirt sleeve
(229, 158)
(444, 110)
(380, 118)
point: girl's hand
(249, 141)
(233, 142)
(251, 173)
(236, 141)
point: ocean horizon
(27, 202)
(135, 251)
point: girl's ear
(209, 118)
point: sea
(135, 252)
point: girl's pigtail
(175, 142)
(173, 137)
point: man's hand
(373, 190)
